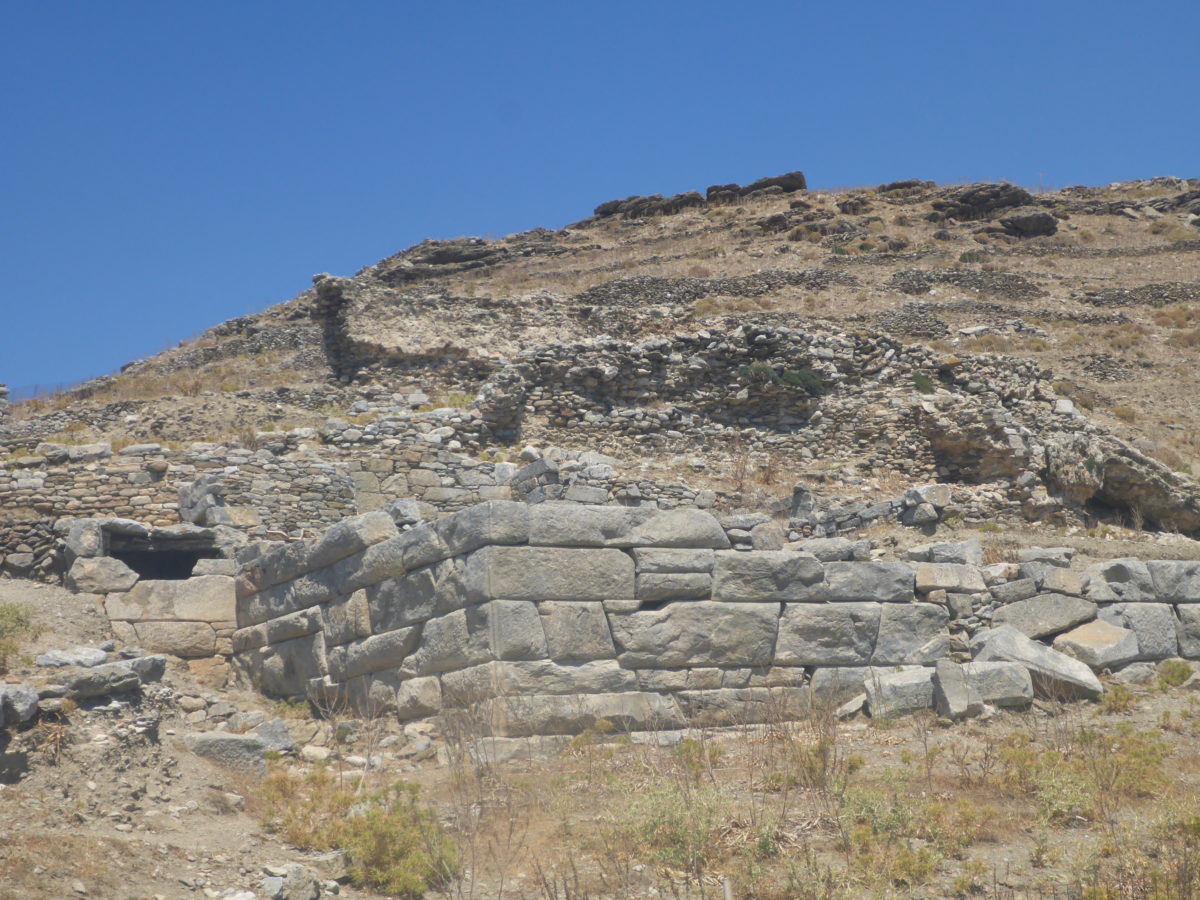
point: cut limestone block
(953, 695)
(899, 692)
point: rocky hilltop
(723, 472)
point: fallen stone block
(18, 703)
(1045, 614)
(85, 657)
(1004, 684)
(1099, 644)
(953, 695)
(1055, 675)
(899, 692)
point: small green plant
(923, 383)
(970, 256)
(1173, 672)
(16, 626)
(1117, 699)
(803, 378)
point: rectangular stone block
(671, 586)
(450, 642)
(742, 706)
(1045, 614)
(911, 634)
(346, 618)
(496, 522)
(518, 679)
(568, 525)
(656, 560)
(298, 624)
(879, 582)
(576, 631)
(561, 714)
(1188, 631)
(190, 640)
(766, 576)
(207, 598)
(546, 573)
(948, 577)
(1175, 581)
(827, 634)
(380, 651)
(350, 536)
(701, 633)
(514, 628)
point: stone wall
(545, 619)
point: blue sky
(166, 166)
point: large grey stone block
(18, 703)
(548, 573)
(400, 602)
(1188, 631)
(1175, 581)
(450, 642)
(417, 698)
(205, 598)
(702, 633)
(569, 525)
(899, 692)
(1120, 579)
(576, 631)
(100, 575)
(655, 587)
(562, 714)
(297, 624)
(827, 634)
(350, 536)
(831, 687)
(948, 577)
(284, 670)
(1099, 644)
(882, 582)
(964, 553)
(515, 679)
(378, 652)
(766, 575)
(1013, 591)
(1153, 623)
(1054, 674)
(911, 633)
(954, 697)
(658, 560)
(494, 522)
(345, 618)
(742, 706)
(1004, 684)
(190, 640)
(238, 752)
(1045, 614)
(514, 629)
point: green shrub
(804, 378)
(391, 842)
(923, 383)
(1173, 672)
(679, 826)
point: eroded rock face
(979, 201)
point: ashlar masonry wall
(546, 618)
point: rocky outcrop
(981, 201)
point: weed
(923, 383)
(16, 626)
(1173, 672)
(1117, 699)
(391, 842)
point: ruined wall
(545, 619)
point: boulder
(239, 752)
(1099, 644)
(18, 703)
(113, 678)
(1045, 614)
(1029, 221)
(1121, 579)
(85, 657)
(1054, 674)
(100, 575)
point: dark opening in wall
(163, 565)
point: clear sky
(165, 166)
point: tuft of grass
(16, 626)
